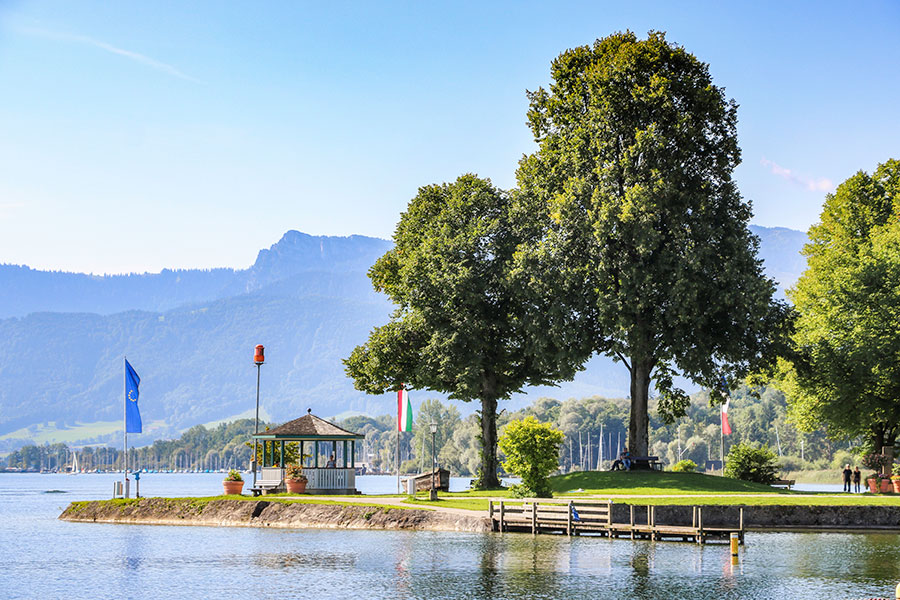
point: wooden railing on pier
(576, 517)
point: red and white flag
(404, 411)
(726, 428)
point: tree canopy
(647, 233)
(464, 325)
(844, 370)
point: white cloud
(89, 41)
(813, 184)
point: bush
(750, 463)
(685, 466)
(532, 453)
(876, 462)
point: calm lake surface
(41, 557)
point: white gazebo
(328, 454)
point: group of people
(853, 474)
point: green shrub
(532, 453)
(234, 475)
(685, 466)
(751, 463)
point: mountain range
(190, 335)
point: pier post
(632, 520)
(569, 520)
(491, 513)
(699, 524)
(534, 527)
(501, 515)
(742, 527)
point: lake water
(41, 557)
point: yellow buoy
(734, 546)
(898, 591)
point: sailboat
(74, 468)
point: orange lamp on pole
(259, 357)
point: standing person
(856, 478)
(848, 473)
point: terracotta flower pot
(896, 483)
(886, 486)
(233, 487)
(295, 486)
(873, 485)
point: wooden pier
(596, 518)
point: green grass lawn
(654, 482)
(481, 504)
(283, 498)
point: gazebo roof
(309, 427)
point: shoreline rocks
(267, 513)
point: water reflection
(53, 559)
(312, 561)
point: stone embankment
(773, 518)
(265, 513)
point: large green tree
(464, 324)
(647, 233)
(845, 367)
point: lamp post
(433, 495)
(259, 357)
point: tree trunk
(888, 450)
(638, 426)
(488, 477)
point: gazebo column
(345, 453)
(281, 457)
(317, 454)
(352, 454)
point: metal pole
(433, 464)
(125, 421)
(256, 425)
(398, 453)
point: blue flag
(132, 414)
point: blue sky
(138, 136)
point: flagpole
(399, 414)
(722, 436)
(125, 419)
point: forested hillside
(190, 335)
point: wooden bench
(788, 483)
(644, 463)
(271, 479)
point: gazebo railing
(330, 478)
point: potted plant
(294, 479)
(233, 483)
(874, 483)
(895, 481)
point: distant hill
(190, 335)
(780, 250)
